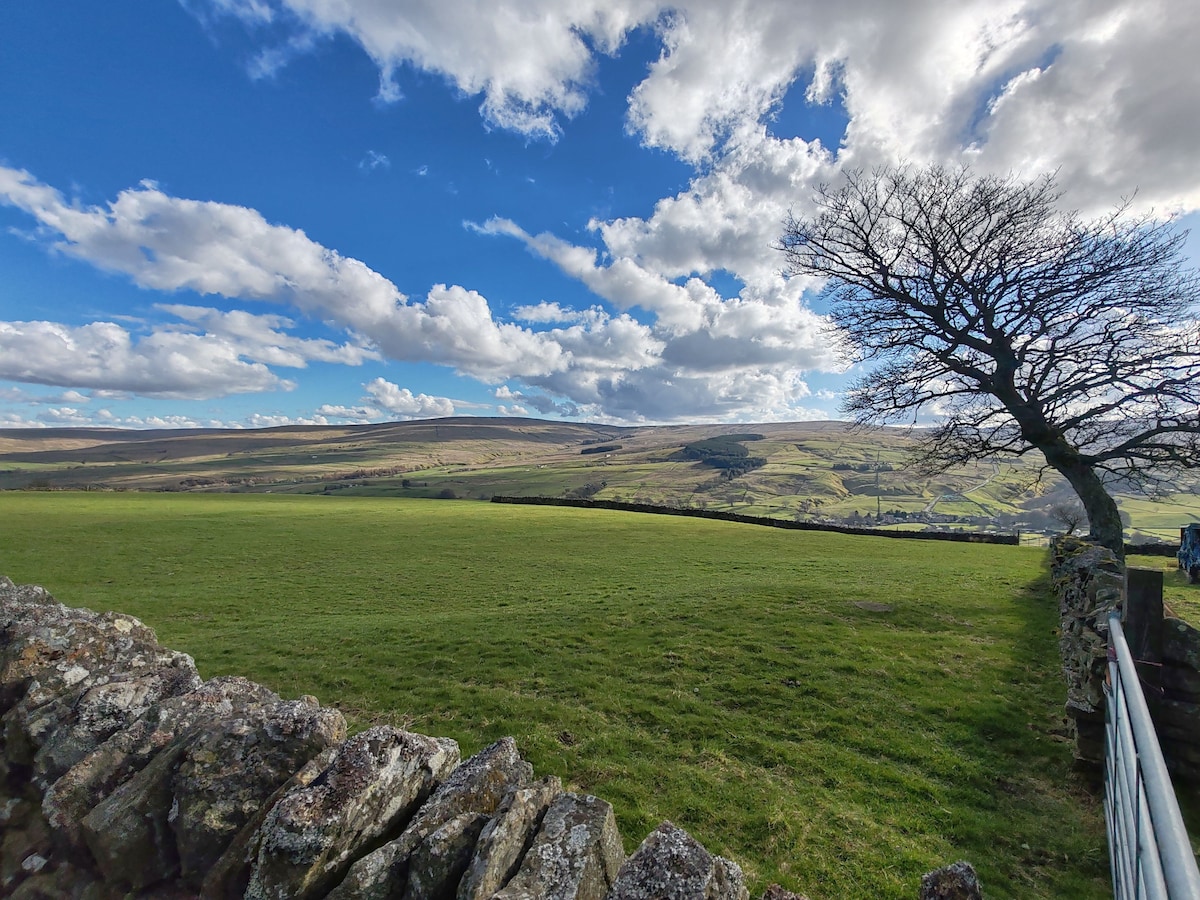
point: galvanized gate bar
(1149, 850)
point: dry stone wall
(1090, 582)
(124, 775)
(1087, 581)
(1176, 710)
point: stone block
(672, 865)
(575, 855)
(477, 786)
(375, 783)
(956, 881)
(437, 865)
(506, 837)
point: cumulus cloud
(1104, 90)
(696, 328)
(1117, 108)
(59, 417)
(74, 398)
(105, 355)
(680, 364)
(403, 403)
(531, 62)
(386, 401)
(64, 415)
(518, 403)
(730, 216)
(549, 312)
(207, 353)
(167, 243)
(264, 338)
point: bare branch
(977, 299)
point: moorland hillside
(822, 471)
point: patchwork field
(838, 714)
(807, 470)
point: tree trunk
(1104, 518)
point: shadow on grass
(1043, 813)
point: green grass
(1162, 518)
(1183, 598)
(837, 714)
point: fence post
(1143, 626)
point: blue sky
(258, 212)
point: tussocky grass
(838, 714)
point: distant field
(1163, 518)
(838, 714)
(809, 470)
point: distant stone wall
(124, 775)
(962, 537)
(1089, 583)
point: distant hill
(806, 470)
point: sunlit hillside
(805, 470)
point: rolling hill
(807, 470)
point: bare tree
(1020, 326)
(1069, 515)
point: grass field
(1181, 597)
(837, 714)
(811, 470)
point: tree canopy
(1017, 325)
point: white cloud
(519, 403)
(76, 418)
(210, 354)
(374, 160)
(1117, 108)
(16, 395)
(16, 420)
(104, 355)
(402, 402)
(730, 216)
(168, 244)
(586, 359)
(353, 415)
(531, 62)
(1104, 90)
(264, 420)
(263, 338)
(171, 421)
(545, 312)
(696, 328)
(64, 415)
(385, 401)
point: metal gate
(1149, 851)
